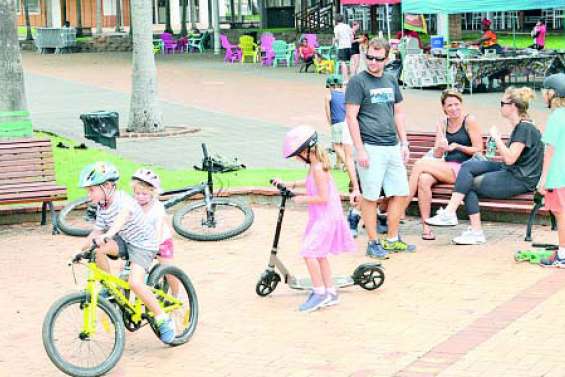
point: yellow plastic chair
(248, 48)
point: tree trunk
(79, 18)
(12, 95)
(145, 114)
(192, 14)
(29, 36)
(118, 16)
(48, 13)
(183, 30)
(64, 10)
(239, 9)
(232, 10)
(168, 27)
(98, 17)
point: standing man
(376, 122)
(343, 36)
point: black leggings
(486, 179)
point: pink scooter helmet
(147, 176)
(298, 139)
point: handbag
(429, 155)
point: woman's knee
(426, 181)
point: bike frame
(113, 284)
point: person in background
(343, 38)
(488, 40)
(538, 34)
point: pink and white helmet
(147, 176)
(297, 139)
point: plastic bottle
(491, 148)
(124, 273)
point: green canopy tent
(466, 6)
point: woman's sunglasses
(375, 58)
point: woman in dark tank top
(458, 138)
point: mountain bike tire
(232, 219)
(49, 340)
(64, 223)
(157, 278)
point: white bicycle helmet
(149, 177)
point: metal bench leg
(531, 220)
(44, 213)
(553, 221)
(53, 219)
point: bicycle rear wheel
(70, 349)
(174, 281)
(80, 223)
(226, 219)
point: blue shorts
(386, 171)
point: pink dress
(327, 231)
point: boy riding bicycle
(122, 232)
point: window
(33, 6)
(196, 10)
(109, 7)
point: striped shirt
(136, 231)
(157, 215)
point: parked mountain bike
(83, 333)
(209, 219)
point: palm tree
(183, 30)
(98, 17)
(29, 36)
(79, 17)
(168, 28)
(145, 114)
(12, 95)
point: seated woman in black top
(458, 137)
(518, 173)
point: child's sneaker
(398, 246)
(382, 224)
(470, 237)
(375, 250)
(332, 299)
(443, 218)
(167, 330)
(553, 261)
(313, 302)
(353, 220)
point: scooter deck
(306, 283)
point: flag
(415, 22)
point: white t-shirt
(343, 35)
(155, 215)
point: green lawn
(69, 162)
(22, 31)
(552, 41)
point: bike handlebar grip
(283, 189)
(204, 150)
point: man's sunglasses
(375, 58)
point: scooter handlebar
(283, 189)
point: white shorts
(386, 170)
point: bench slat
(21, 189)
(26, 162)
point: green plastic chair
(281, 51)
(158, 46)
(248, 48)
(197, 42)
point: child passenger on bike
(121, 230)
(146, 189)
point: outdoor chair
(266, 48)
(280, 49)
(248, 48)
(196, 42)
(169, 44)
(158, 46)
(233, 52)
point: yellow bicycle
(84, 333)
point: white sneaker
(470, 237)
(443, 218)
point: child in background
(334, 105)
(147, 187)
(326, 232)
(552, 180)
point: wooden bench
(530, 203)
(27, 175)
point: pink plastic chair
(312, 39)
(266, 45)
(233, 52)
(169, 44)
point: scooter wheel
(267, 283)
(369, 276)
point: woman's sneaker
(353, 220)
(470, 237)
(167, 330)
(443, 218)
(313, 302)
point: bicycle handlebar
(204, 151)
(283, 189)
(84, 255)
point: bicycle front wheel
(75, 352)
(81, 222)
(225, 219)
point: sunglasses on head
(502, 103)
(375, 58)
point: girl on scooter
(327, 231)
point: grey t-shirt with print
(376, 97)
(136, 231)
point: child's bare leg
(137, 285)
(173, 281)
(102, 252)
(315, 273)
(326, 272)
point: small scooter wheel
(267, 283)
(369, 276)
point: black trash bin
(102, 127)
